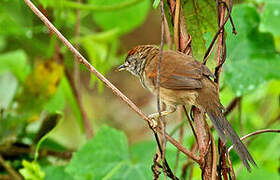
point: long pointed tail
(225, 130)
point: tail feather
(225, 130)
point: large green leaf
(251, 58)
(270, 18)
(107, 156)
(104, 156)
(124, 19)
(201, 18)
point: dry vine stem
(106, 82)
(183, 43)
(162, 145)
(256, 133)
(221, 57)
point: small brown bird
(183, 81)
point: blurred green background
(38, 103)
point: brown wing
(178, 71)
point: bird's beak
(121, 67)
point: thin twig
(163, 139)
(75, 83)
(87, 124)
(221, 42)
(167, 33)
(189, 163)
(183, 149)
(203, 140)
(222, 163)
(221, 57)
(6, 177)
(9, 169)
(16, 150)
(214, 164)
(177, 45)
(209, 50)
(181, 135)
(240, 117)
(190, 122)
(107, 82)
(271, 122)
(177, 25)
(76, 72)
(230, 166)
(201, 125)
(156, 166)
(185, 168)
(256, 133)
(230, 107)
(184, 37)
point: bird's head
(136, 59)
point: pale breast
(179, 97)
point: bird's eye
(126, 63)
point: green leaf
(101, 155)
(16, 62)
(251, 58)
(251, 73)
(8, 86)
(125, 19)
(31, 171)
(106, 156)
(56, 173)
(201, 18)
(270, 18)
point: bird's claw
(154, 119)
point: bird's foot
(154, 118)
